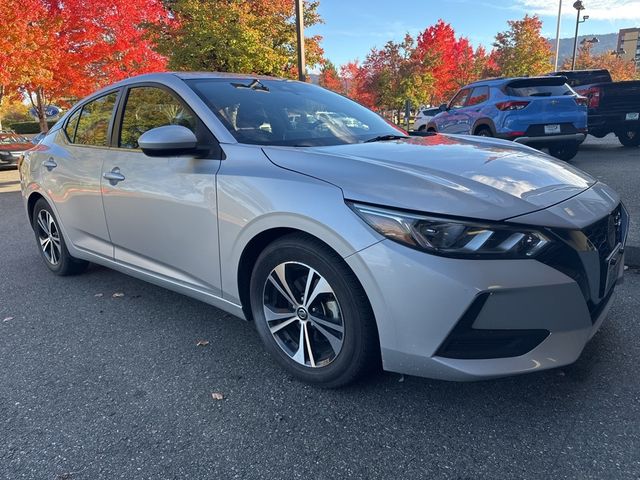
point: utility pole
(302, 67)
(579, 7)
(555, 68)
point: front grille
(600, 238)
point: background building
(629, 42)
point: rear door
(162, 215)
(543, 106)
(71, 169)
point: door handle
(49, 164)
(114, 176)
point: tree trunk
(1, 98)
(40, 106)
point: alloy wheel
(303, 314)
(49, 237)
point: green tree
(243, 36)
(522, 50)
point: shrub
(27, 127)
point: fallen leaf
(217, 396)
(98, 295)
(118, 295)
(8, 319)
(202, 343)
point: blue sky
(353, 27)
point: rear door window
(72, 123)
(93, 125)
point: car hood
(441, 174)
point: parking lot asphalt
(95, 386)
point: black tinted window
(72, 123)
(275, 112)
(93, 125)
(151, 107)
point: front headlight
(455, 238)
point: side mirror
(168, 141)
(444, 107)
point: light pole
(579, 7)
(555, 68)
(300, 34)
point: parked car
(12, 146)
(451, 257)
(614, 107)
(423, 117)
(542, 112)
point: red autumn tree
(354, 78)
(619, 68)
(330, 78)
(449, 59)
(64, 50)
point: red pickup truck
(613, 106)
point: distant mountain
(607, 43)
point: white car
(423, 117)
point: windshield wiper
(383, 138)
(254, 85)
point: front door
(162, 212)
(452, 121)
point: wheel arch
(31, 203)
(484, 122)
(256, 246)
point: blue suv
(543, 112)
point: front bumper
(420, 300)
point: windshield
(277, 112)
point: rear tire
(422, 128)
(329, 338)
(51, 242)
(565, 151)
(629, 137)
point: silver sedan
(349, 244)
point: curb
(632, 256)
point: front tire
(51, 242)
(483, 132)
(312, 314)
(629, 137)
(565, 151)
